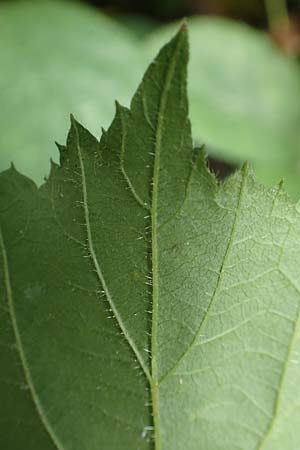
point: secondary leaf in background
(244, 94)
(58, 57)
(131, 249)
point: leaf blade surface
(143, 293)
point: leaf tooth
(246, 168)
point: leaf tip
(52, 163)
(74, 123)
(118, 108)
(200, 155)
(60, 147)
(74, 128)
(182, 35)
(183, 26)
(245, 169)
(62, 151)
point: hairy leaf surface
(143, 304)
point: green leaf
(144, 305)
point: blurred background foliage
(62, 56)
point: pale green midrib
(97, 266)
(283, 377)
(41, 414)
(154, 249)
(219, 280)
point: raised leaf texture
(144, 305)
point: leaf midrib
(154, 246)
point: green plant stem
(277, 13)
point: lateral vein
(97, 265)
(282, 382)
(123, 170)
(218, 284)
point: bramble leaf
(143, 305)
